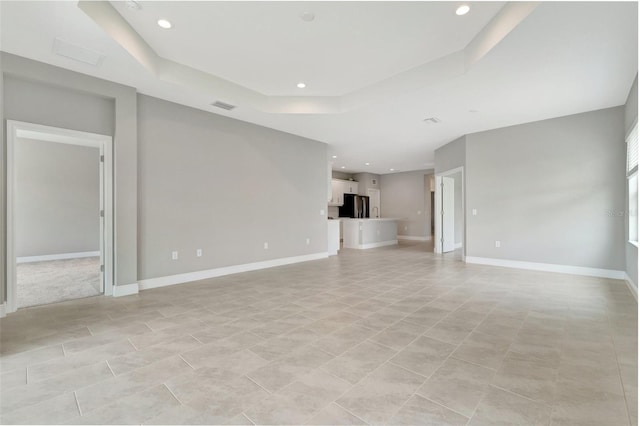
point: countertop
(368, 219)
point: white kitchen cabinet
(350, 186)
(337, 193)
(340, 187)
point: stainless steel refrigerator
(355, 206)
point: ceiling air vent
(223, 105)
(78, 53)
(431, 120)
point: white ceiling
(267, 47)
(374, 70)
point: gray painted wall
(403, 195)
(451, 155)
(80, 102)
(57, 198)
(544, 189)
(365, 182)
(42, 103)
(631, 251)
(341, 175)
(224, 186)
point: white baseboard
(632, 286)
(412, 238)
(60, 256)
(549, 267)
(227, 270)
(3, 310)
(125, 290)
(457, 245)
(380, 244)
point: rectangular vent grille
(78, 53)
(223, 105)
(431, 120)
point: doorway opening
(450, 213)
(59, 215)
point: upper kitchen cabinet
(339, 188)
(337, 193)
(350, 186)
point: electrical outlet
(199, 252)
(321, 212)
(474, 212)
(308, 241)
(174, 255)
(266, 246)
(497, 244)
(406, 227)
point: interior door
(448, 217)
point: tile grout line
(198, 340)
(75, 396)
(110, 369)
(457, 347)
(445, 360)
(497, 370)
(345, 409)
(249, 418)
(172, 394)
(443, 406)
(245, 416)
(258, 384)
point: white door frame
(437, 243)
(16, 129)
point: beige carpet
(40, 283)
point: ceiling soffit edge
(425, 75)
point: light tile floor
(393, 335)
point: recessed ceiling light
(334, 156)
(463, 10)
(301, 85)
(367, 164)
(343, 167)
(163, 23)
(391, 170)
(307, 16)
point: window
(632, 178)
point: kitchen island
(369, 233)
